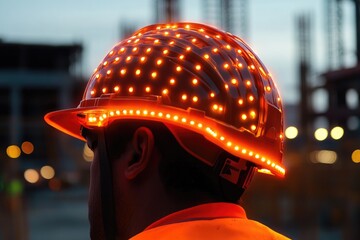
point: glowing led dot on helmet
(128, 41)
(268, 88)
(252, 114)
(206, 56)
(104, 90)
(236, 148)
(200, 125)
(188, 48)
(122, 49)
(134, 49)
(108, 72)
(168, 115)
(243, 116)
(148, 50)
(257, 156)
(240, 65)
(239, 51)
(207, 36)
(172, 42)
(165, 91)
(184, 97)
(241, 101)
(95, 70)
(158, 27)
(222, 138)
(142, 59)
(192, 122)
(176, 117)
(178, 68)
(128, 58)
(117, 112)
(152, 113)
(166, 33)
(226, 65)
(178, 35)
(165, 51)
(234, 81)
(138, 71)
(111, 113)
(218, 36)
(251, 98)
(116, 88)
(123, 71)
(92, 92)
(228, 46)
(212, 94)
(147, 89)
(156, 41)
(215, 107)
(160, 114)
(193, 40)
(201, 30)
(198, 67)
(251, 154)
(117, 59)
(248, 83)
(111, 52)
(159, 62)
(181, 57)
(172, 81)
(183, 120)
(97, 75)
(145, 112)
(138, 112)
(229, 144)
(153, 74)
(105, 63)
(195, 99)
(187, 26)
(137, 40)
(131, 89)
(226, 86)
(220, 109)
(195, 81)
(215, 50)
(124, 112)
(253, 127)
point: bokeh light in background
(355, 156)
(31, 175)
(47, 172)
(13, 151)
(324, 156)
(27, 147)
(321, 134)
(55, 184)
(337, 132)
(291, 132)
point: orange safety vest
(212, 221)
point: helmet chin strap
(106, 184)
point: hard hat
(194, 78)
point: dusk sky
(96, 25)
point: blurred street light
(13, 151)
(321, 134)
(355, 156)
(291, 132)
(27, 147)
(31, 175)
(324, 156)
(47, 172)
(337, 133)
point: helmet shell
(192, 77)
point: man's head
(187, 107)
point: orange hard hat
(192, 77)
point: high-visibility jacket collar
(202, 212)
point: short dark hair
(183, 175)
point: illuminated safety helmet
(193, 78)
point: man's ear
(143, 146)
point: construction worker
(180, 116)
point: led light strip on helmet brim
(192, 119)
